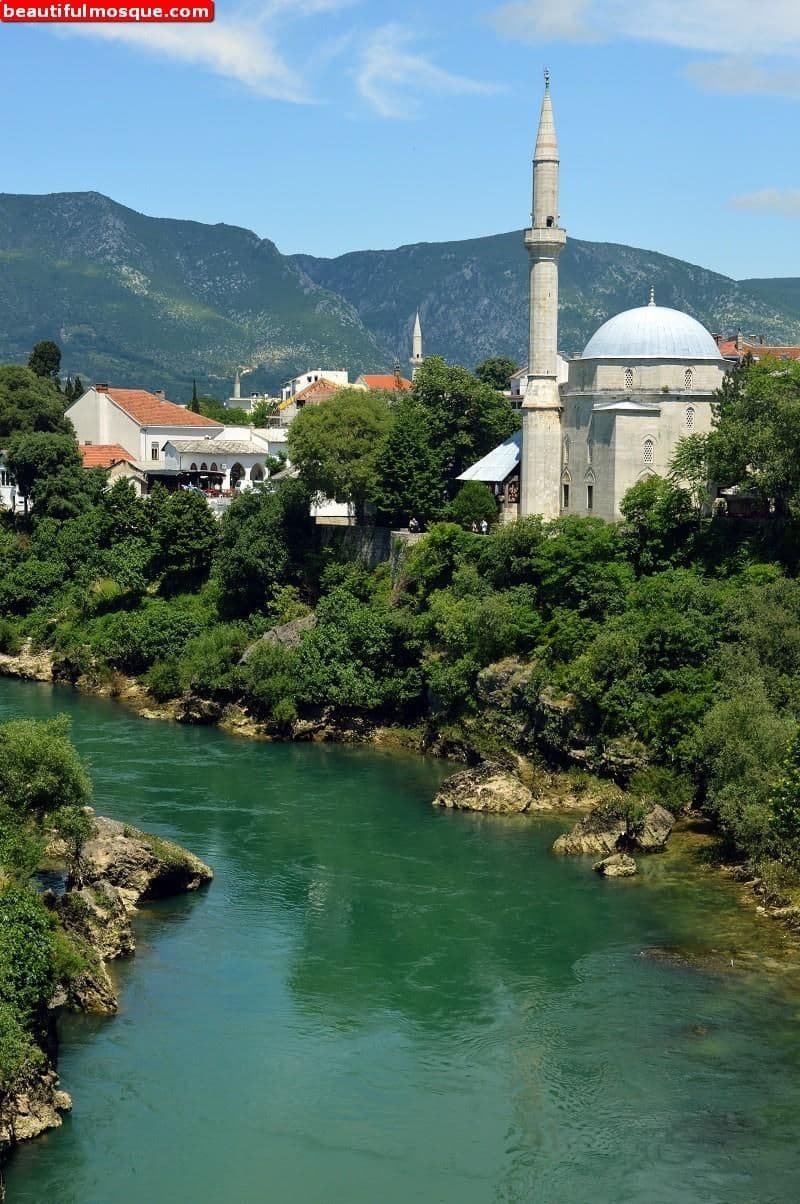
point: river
(378, 1001)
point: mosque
(595, 425)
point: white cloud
(240, 45)
(390, 73)
(742, 76)
(237, 48)
(785, 201)
(774, 28)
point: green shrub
(10, 638)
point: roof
(104, 455)
(626, 406)
(387, 380)
(149, 410)
(218, 447)
(652, 332)
(319, 391)
(496, 464)
(730, 347)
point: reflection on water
(379, 1001)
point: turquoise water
(377, 1001)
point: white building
(138, 421)
(645, 378)
(298, 383)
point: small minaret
(540, 460)
(417, 358)
(237, 387)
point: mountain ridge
(155, 302)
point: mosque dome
(651, 332)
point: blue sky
(335, 125)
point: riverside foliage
(662, 652)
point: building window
(566, 449)
(648, 451)
(192, 468)
(629, 378)
(590, 497)
(153, 451)
(565, 495)
(690, 418)
(687, 379)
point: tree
(410, 482)
(186, 538)
(69, 391)
(756, 440)
(262, 411)
(254, 554)
(48, 470)
(40, 770)
(45, 360)
(29, 403)
(496, 371)
(658, 515)
(336, 445)
(467, 417)
(194, 404)
(77, 388)
(689, 466)
(473, 503)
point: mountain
(472, 295)
(153, 302)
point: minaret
(417, 358)
(541, 407)
(237, 387)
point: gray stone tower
(541, 406)
(417, 358)
(237, 387)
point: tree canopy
(496, 371)
(467, 417)
(48, 470)
(45, 360)
(29, 403)
(336, 446)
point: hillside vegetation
(155, 302)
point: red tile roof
(104, 455)
(319, 391)
(387, 381)
(149, 410)
(729, 348)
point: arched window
(648, 451)
(204, 467)
(192, 468)
(690, 418)
(213, 466)
(589, 482)
(566, 481)
(257, 472)
(237, 475)
(629, 378)
(688, 378)
(566, 449)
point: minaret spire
(237, 386)
(417, 358)
(545, 239)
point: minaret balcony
(545, 240)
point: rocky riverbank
(118, 868)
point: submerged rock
(618, 865)
(488, 787)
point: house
(137, 421)
(234, 459)
(392, 382)
(118, 463)
(298, 383)
(314, 394)
(738, 348)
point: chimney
(761, 339)
(101, 388)
(159, 393)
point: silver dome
(651, 332)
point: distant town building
(138, 422)
(392, 382)
(301, 382)
(118, 463)
(740, 346)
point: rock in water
(653, 835)
(138, 865)
(488, 787)
(618, 865)
(607, 829)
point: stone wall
(369, 545)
